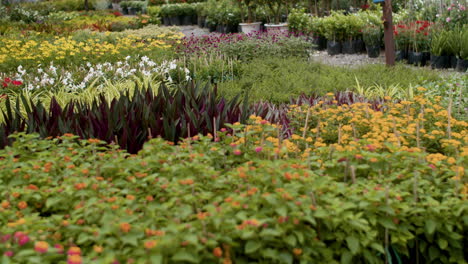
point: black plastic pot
(348, 47)
(453, 62)
(462, 65)
(401, 55)
(175, 21)
(359, 45)
(373, 51)
(200, 21)
(124, 11)
(211, 28)
(415, 58)
(320, 42)
(131, 11)
(440, 62)
(186, 20)
(166, 21)
(333, 47)
(426, 58)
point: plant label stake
(388, 31)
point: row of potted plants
(178, 14)
(133, 7)
(421, 43)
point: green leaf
(282, 211)
(53, 201)
(290, 240)
(353, 244)
(430, 226)
(184, 255)
(442, 243)
(378, 247)
(156, 259)
(286, 257)
(346, 257)
(252, 246)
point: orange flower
(5, 204)
(93, 140)
(97, 249)
(79, 186)
(74, 251)
(65, 223)
(149, 198)
(41, 246)
(22, 205)
(186, 182)
(125, 227)
(297, 251)
(68, 135)
(150, 244)
(74, 259)
(130, 197)
(218, 252)
(202, 215)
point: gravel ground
(352, 60)
(194, 31)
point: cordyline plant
(130, 119)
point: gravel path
(194, 31)
(353, 60)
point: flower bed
(270, 199)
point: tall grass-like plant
(440, 43)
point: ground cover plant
(367, 185)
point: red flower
(16, 83)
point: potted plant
(317, 29)
(248, 26)
(201, 12)
(372, 36)
(275, 7)
(401, 35)
(187, 12)
(439, 46)
(124, 6)
(334, 29)
(170, 14)
(462, 51)
(352, 26)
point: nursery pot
(401, 55)
(321, 43)
(348, 47)
(426, 58)
(453, 62)
(125, 10)
(248, 28)
(439, 62)
(166, 21)
(175, 21)
(131, 11)
(186, 20)
(462, 65)
(333, 47)
(277, 27)
(359, 45)
(373, 51)
(201, 21)
(211, 27)
(415, 58)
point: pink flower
(237, 152)
(5, 238)
(8, 253)
(23, 240)
(258, 149)
(59, 248)
(448, 19)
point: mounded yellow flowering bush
(39, 49)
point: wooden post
(388, 33)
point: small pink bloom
(8, 253)
(448, 19)
(237, 152)
(23, 240)
(258, 149)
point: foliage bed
(346, 187)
